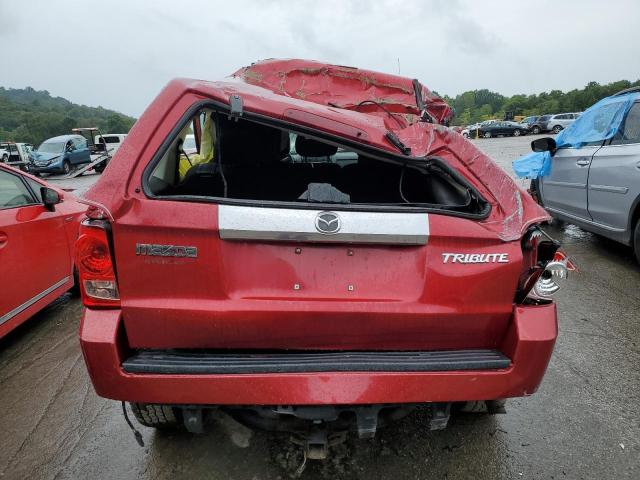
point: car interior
(244, 160)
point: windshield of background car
(51, 147)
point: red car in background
(386, 263)
(38, 227)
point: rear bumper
(528, 343)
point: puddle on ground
(576, 233)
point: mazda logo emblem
(328, 223)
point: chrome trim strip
(285, 225)
(20, 308)
(609, 188)
(585, 221)
(564, 184)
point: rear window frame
(356, 147)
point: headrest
(307, 147)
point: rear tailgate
(196, 275)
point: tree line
(478, 105)
(31, 116)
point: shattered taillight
(544, 265)
(95, 265)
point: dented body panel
(512, 210)
(189, 278)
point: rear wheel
(557, 129)
(535, 130)
(156, 416)
(486, 134)
(516, 133)
(534, 190)
(636, 241)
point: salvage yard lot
(584, 422)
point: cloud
(121, 55)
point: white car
(465, 131)
(16, 154)
(112, 141)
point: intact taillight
(95, 265)
(544, 265)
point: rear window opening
(217, 157)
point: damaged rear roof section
(348, 88)
(329, 99)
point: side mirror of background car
(50, 198)
(546, 144)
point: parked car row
(550, 123)
(61, 154)
(496, 129)
(535, 124)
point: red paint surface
(531, 336)
(36, 252)
(344, 87)
(240, 294)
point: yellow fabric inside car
(207, 144)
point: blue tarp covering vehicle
(598, 123)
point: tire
(484, 407)
(486, 135)
(5, 158)
(636, 240)
(101, 166)
(517, 133)
(66, 167)
(534, 190)
(535, 130)
(75, 290)
(557, 129)
(163, 417)
(465, 135)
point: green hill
(31, 116)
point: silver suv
(597, 187)
(556, 123)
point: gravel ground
(583, 423)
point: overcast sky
(119, 54)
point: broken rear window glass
(244, 160)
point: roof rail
(627, 90)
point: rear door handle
(583, 162)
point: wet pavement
(583, 423)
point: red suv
(329, 257)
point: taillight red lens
(95, 266)
(93, 255)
